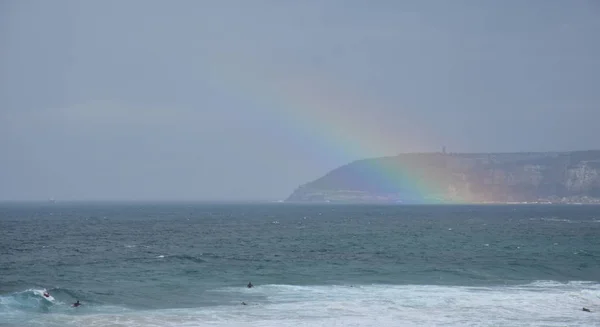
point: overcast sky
(238, 99)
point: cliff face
(476, 178)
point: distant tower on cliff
(444, 149)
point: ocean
(188, 264)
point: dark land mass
(534, 177)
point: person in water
(586, 310)
(46, 294)
(76, 304)
(250, 285)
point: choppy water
(312, 265)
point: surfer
(76, 304)
(250, 285)
(46, 294)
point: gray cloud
(247, 99)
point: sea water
(180, 264)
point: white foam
(553, 219)
(41, 294)
(538, 304)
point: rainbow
(349, 126)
